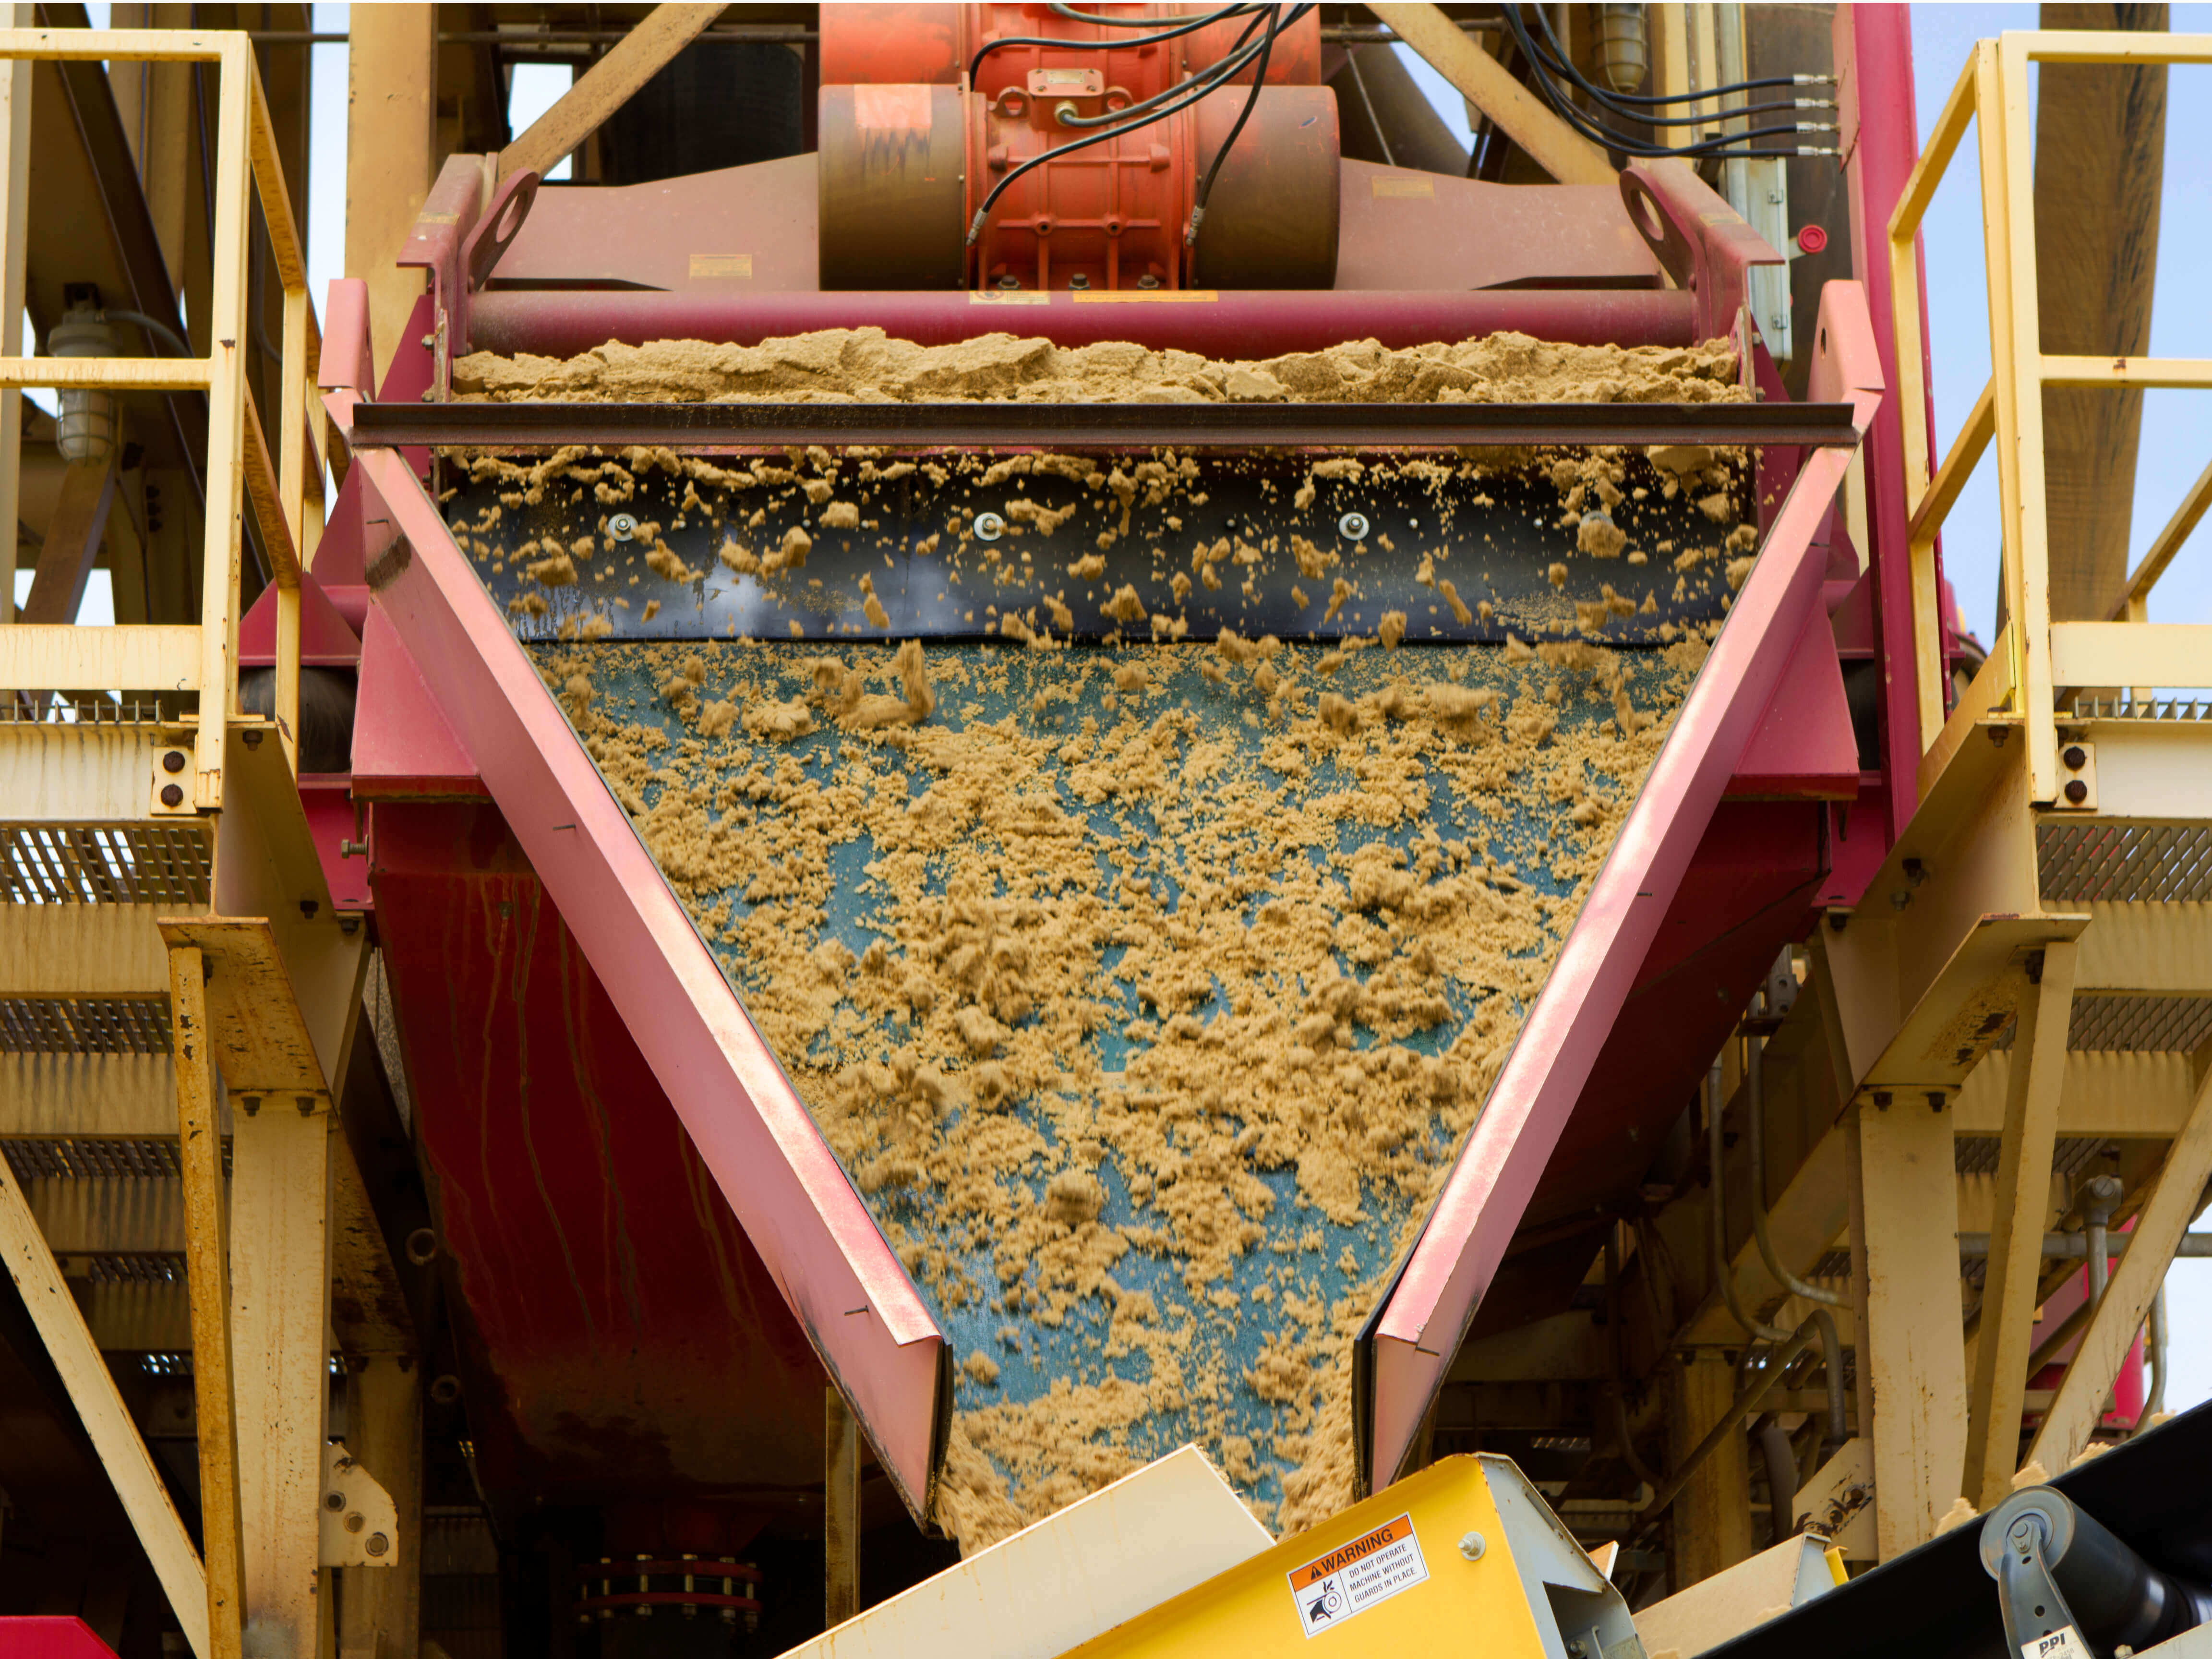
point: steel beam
(1095, 426)
(1712, 1517)
(1911, 1355)
(2110, 1095)
(280, 1277)
(2016, 1266)
(840, 1510)
(2174, 1201)
(199, 1154)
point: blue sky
(2176, 440)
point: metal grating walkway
(2071, 1154)
(2158, 1025)
(84, 1025)
(70, 1159)
(169, 863)
(2088, 860)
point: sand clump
(1132, 998)
(864, 365)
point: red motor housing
(910, 150)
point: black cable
(1723, 147)
(1726, 114)
(1761, 84)
(1555, 59)
(156, 332)
(1199, 87)
(1259, 80)
(1074, 16)
(976, 225)
(975, 64)
(1560, 63)
(1213, 74)
(1545, 66)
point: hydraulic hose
(1717, 1232)
(1755, 1087)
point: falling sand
(1146, 992)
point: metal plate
(1498, 539)
(1234, 426)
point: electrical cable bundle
(1549, 65)
(1161, 105)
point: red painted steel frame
(634, 1342)
(1245, 323)
(1409, 1343)
(829, 1260)
(1881, 141)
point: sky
(2176, 429)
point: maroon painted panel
(1404, 229)
(43, 1637)
(327, 639)
(1804, 747)
(638, 1343)
(402, 746)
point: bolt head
(334, 1501)
(1471, 1546)
(989, 526)
(2075, 757)
(622, 526)
(1352, 526)
(2076, 792)
(171, 795)
(173, 761)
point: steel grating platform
(2090, 860)
(170, 862)
(59, 1158)
(84, 1025)
(2157, 1025)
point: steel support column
(1911, 1353)
(280, 1276)
(2033, 1089)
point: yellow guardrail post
(284, 491)
(2026, 674)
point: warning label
(1362, 1574)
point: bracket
(359, 1522)
(2077, 784)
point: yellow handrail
(283, 487)
(1992, 94)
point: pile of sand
(864, 365)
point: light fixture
(88, 413)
